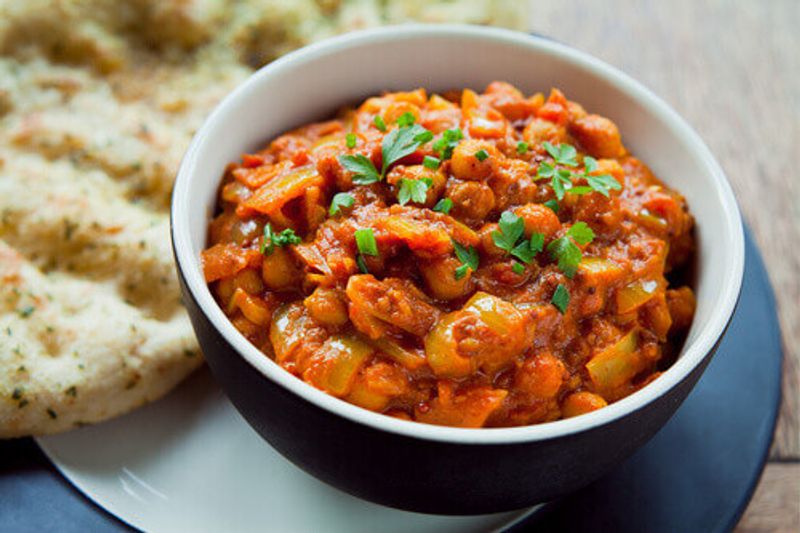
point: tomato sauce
(464, 259)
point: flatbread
(98, 101)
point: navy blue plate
(697, 474)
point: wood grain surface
(732, 69)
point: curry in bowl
(471, 260)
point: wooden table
(732, 69)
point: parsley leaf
(481, 155)
(469, 259)
(527, 249)
(603, 183)
(511, 238)
(284, 238)
(517, 268)
(589, 164)
(545, 170)
(406, 119)
(443, 206)
(522, 147)
(340, 200)
(447, 142)
(365, 241)
(561, 298)
(401, 142)
(561, 178)
(364, 171)
(351, 139)
(561, 182)
(511, 229)
(397, 144)
(581, 232)
(415, 190)
(566, 252)
(563, 154)
(553, 205)
(379, 123)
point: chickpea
(466, 165)
(327, 306)
(487, 242)
(225, 289)
(471, 199)
(682, 304)
(579, 403)
(598, 135)
(439, 275)
(396, 109)
(540, 130)
(542, 376)
(538, 219)
(249, 280)
(416, 172)
(575, 110)
(278, 269)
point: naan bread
(98, 101)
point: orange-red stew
(461, 259)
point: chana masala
(464, 259)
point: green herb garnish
(563, 154)
(511, 238)
(406, 119)
(481, 155)
(602, 183)
(522, 147)
(561, 178)
(561, 298)
(511, 229)
(284, 238)
(469, 259)
(443, 206)
(447, 142)
(431, 162)
(402, 142)
(340, 200)
(397, 144)
(363, 169)
(517, 268)
(566, 252)
(424, 137)
(526, 250)
(415, 190)
(379, 123)
(553, 205)
(365, 241)
(351, 139)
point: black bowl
(417, 466)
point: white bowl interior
(312, 83)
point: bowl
(422, 467)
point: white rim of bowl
(691, 357)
